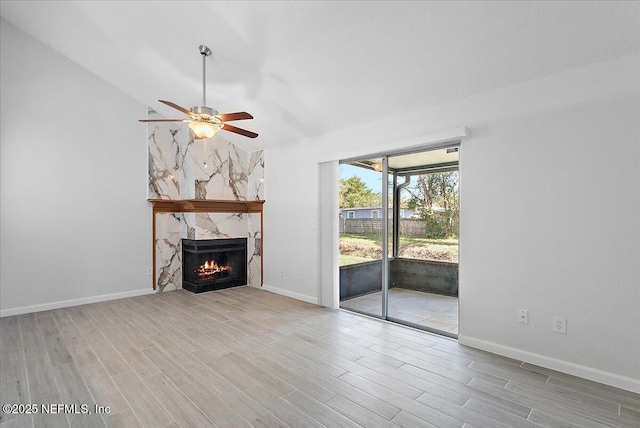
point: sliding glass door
(399, 238)
(361, 240)
(423, 290)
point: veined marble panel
(254, 239)
(253, 226)
(164, 161)
(254, 264)
(256, 176)
(188, 225)
(220, 170)
(168, 252)
(220, 225)
(187, 163)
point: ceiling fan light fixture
(202, 130)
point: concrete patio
(425, 309)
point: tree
(435, 198)
(355, 193)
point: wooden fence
(408, 226)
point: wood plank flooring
(244, 357)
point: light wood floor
(245, 357)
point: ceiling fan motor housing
(203, 110)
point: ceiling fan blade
(240, 131)
(176, 106)
(228, 117)
(161, 120)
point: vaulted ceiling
(306, 68)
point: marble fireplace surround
(204, 206)
(201, 189)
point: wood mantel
(204, 206)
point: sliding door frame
(385, 237)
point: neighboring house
(372, 212)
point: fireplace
(213, 264)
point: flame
(209, 268)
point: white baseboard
(596, 375)
(73, 302)
(291, 294)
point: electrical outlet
(523, 316)
(560, 325)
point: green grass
(356, 248)
(407, 240)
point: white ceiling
(305, 68)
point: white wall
(75, 223)
(291, 211)
(550, 194)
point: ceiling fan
(204, 121)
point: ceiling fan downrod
(205, 52)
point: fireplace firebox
(213, 264)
